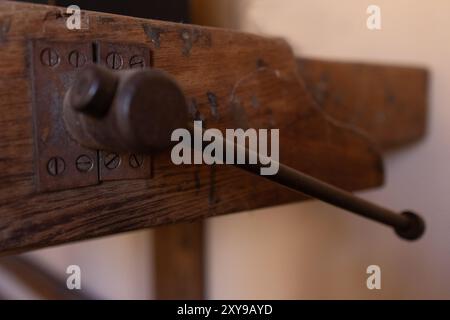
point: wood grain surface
(179, 261)
(255, 83)
(388, 102)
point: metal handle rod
(407, 225)
(317, 189)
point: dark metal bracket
(61, 162)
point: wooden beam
(388, 102)
(255, 83)
(179, 261)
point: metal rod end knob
(415, 228)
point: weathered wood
(179, 261)
(388, 102)
(256, 83)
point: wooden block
(255, 83)
(179, 261)
(388, 102)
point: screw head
(49, 57)
(137, 62)
(112, 161)
(77, 59)
(136, 160)
(56, 166)
(84, 163)
(114, 61)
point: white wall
(115, 267)
(311, 250)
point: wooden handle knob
(132, 110)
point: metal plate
(61, 163)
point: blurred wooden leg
(179, 258)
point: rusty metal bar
(149, 105)
(407, 225)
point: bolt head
(77, 59)
(112, 161)
(49, 57)
(137, 62)
(56, 166)
(114, 61)
(136, 160)
(84, 163)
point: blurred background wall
(311, 250)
